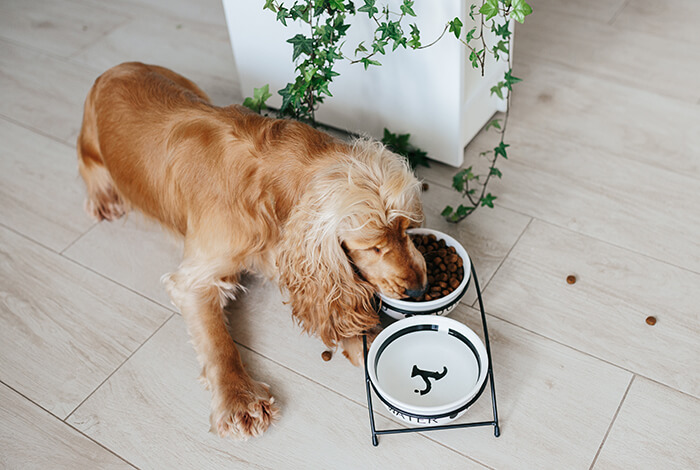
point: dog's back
(151, 140)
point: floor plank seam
(488, 281)
(584, 71)
(27, 237)
(352, 400)
(29, 47)
(68, 424)
(593, 356)
(78, 238)
(170, 308)
(40, 132)
(118, 367)
(98, 39)
(29, 399)
(592, 237)
(612, 422)
(161, 12)
(617, 13)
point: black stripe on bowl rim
(410, 313)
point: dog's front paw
(353, 349)
(241, 413)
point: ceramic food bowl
(427, 370)
(404, 308)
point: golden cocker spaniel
(328, 220)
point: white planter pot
(433, 94)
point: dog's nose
(415, 293)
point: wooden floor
(603, 182)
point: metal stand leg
(375, 441)
(496, 429)
(494, 423)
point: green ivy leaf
(510, 80)
(337, 5)
(470, 34)
(500, 46)
(502, 30)
(250, 104)
(496, 172)
(300, 11)
(369, 8)
(361, 48)
(400, 144)
(458, 179)
(367, 62)
(489, 9)
(493, 123)
(501, 150)
(456, 27)
(471, 12)
(447, 211)
(497, 89)
(257, 102)
(302, 45)
(463, 211)
(397, 43)
(282, 15)
(262, 94)
(414, 42)
(520, 10)
(488, 200)
(269, 5)
(407, 8)
(378, 46)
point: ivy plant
(316, 53)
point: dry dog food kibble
(326, 355)
(445, 266)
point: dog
(325, 218)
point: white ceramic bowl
(427, 370)
(402, 308)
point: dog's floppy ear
(327, 296)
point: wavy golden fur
(325, 218)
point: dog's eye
(377, 249)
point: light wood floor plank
(675, 19)
(199, 51)
(602, 11)
(606, 115)
(604, 312)
(42, 92)
(165, 424)
(63, 330)
(41, 194)
(664, 66)
(32, 439)
(202, 11)
(657, 427)
(57, 26)
(132, 251)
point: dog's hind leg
(103, 201)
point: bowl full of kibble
(449, 270)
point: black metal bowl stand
(489, 379)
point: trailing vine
(316, 53)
